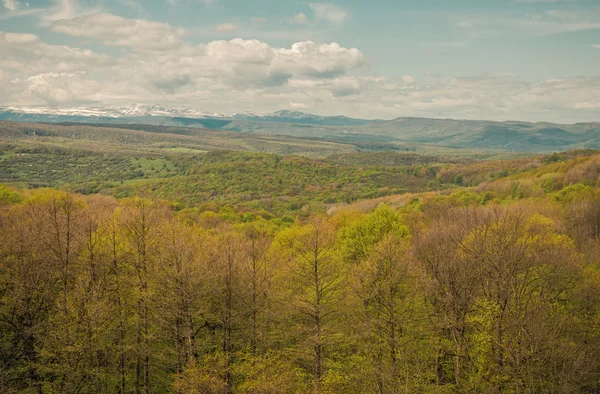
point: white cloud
(597, 46)
(65, 9)
(298, 19)
(320, 61)
(329, 12)
(226, 27)
(36, 73)
(408, 80)
(587, 105)
(118, 31)
(258, 19)
(17, 38)
(11, 5)
(294, 105)
(155, 64)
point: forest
(256, 272)
(446, 293)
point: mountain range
(144, 111)
(512, 136)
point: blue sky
(503, 59)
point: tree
(257, 276)
(181, 288)
(225, 264)
(140, 219)
(450, 291)
(525, 270)
(315, 274)
(29, 287)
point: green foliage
(204, 377)
(364, 231)
(205, 301)
(270, 374)
(8, 196)
(278, 185)
(465, 198)
(548, 185)
(458, 179)
(514, 191)
(233, 283)
(572, 192)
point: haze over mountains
(514, 136)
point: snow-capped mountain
(75, 111)
(248, 114)
(135, 110)
(293, 115)
(160, 114)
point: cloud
(297, 105)
(118, 31)
(155, 64)
(64, 10)
(32, 68)
(17, 38)
(329, 12)
(172, 85)
(597, 46)
(588, 105)
(258, 19)
(298, 19)
(408, 80)
(559, 21)
(226, 27)
(546, 23)
(346, 87)
(11, 5)
(320, 60)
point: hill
(509, 136)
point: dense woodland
(237, 272)
(444, 294)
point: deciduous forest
(299, 197)
(442, 294)
(147, 270)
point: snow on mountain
(143, 112)
(139, 110)
(75, 111)
(293, 115)
(135, 110)
(248, 114)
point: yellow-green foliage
(363, 231)
(8, 196)
(487, 289)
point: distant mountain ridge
(512, 136)
(137, 111)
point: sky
(533, 60)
